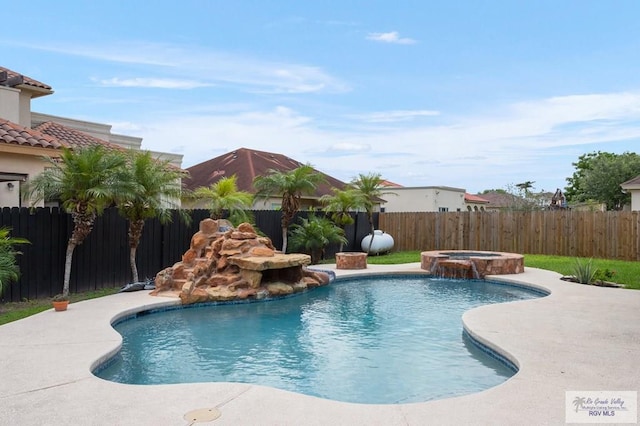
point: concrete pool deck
(579, 338)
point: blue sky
(468, 94)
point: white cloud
(390, 37)
(156, 83)
(173, 62)
(534, 140)
(394, 116)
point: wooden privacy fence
(609, 235)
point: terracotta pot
(60, 306)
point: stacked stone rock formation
(224, 263)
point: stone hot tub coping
(471, 264)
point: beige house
(633, 187)
(27, 136)
(430, 199)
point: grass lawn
(627, 273)
(13, 311)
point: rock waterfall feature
(226, 263)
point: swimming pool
(376, 339)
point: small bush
(584, 272)
(604, 275)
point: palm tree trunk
(67, 267)
(132, 262)
(285, 231)
(372, 232)
(135, 233)
(344, 232)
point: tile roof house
(27, 136)
(475, 202)
(246, 164)
(633, 186)
(497, 201)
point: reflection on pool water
(377, 339)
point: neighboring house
(398, 198)
(26, 136)
(246, 164)
(424, 199)
(498, 201)
(633, 187)
(475, 202)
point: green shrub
(604, 275)
(9, 271)
(584, 272)
(314, 234)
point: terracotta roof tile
(26, 80)
(470, 198)
(74, 138)
(246, 164)
(15, 134)
(389, 184)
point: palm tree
(340, 204)
(314, 234)
(85, 181)
(291, 185)
(156, 186)
(224, 196)
(525, 186)
(9, 270)
(369, 189)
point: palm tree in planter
(156, 188)
(312, 235)
(290, 185)
(339, 206)
(224, 198)
(85, 181)
(369, 189)
(9, 270)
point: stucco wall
(18, 164)
(635, 199)
(424, 199)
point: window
(443, 209)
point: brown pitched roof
(246, 164)
(74, 138)
(26, 80)
(631, 182)
(15, 134)
(498, 199)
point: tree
(85, 181)
(369, 189)
(312, 235)
(223, 197)
(525, 187)
(339, 206)
(290, 185)
(9, 270)
(156, 186)
(598, 177)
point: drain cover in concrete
(202, 415)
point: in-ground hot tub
(471, 264)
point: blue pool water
(384, 339)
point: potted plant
(60, 302)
